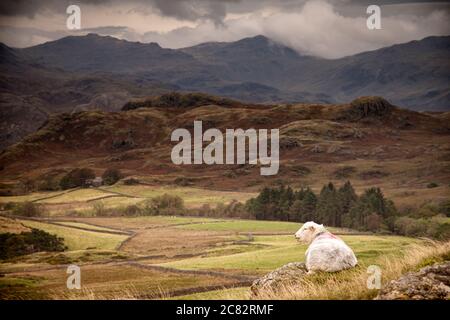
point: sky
(325, 28)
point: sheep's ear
(311, 228)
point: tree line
(337, 207)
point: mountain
(93, 53)
(102, 72)
(414, 75)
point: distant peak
(259, 38)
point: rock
(317, 149)
(357, 134)
(377, 150)
(286, 274)
(289, 143)
(333, 148)
(429, 283)
(365, 107)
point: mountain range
(101, 72)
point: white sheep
(326, 252)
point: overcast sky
(326, 28)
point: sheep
(326, 252)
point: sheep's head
(308, 231)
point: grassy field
(58, 203)
(79, 239)
(84, 226)
(174, 257)
(171, 257)
(275, 251)
(254, 226)
(191, 194)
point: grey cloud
(214, 10)
(324, 28)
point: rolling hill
(368, 141)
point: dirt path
(61, 224)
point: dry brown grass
(130, 293)
(352, 284)
(12, 226)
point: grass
(214, 246)
(29, 197)
(11, 226)
(84, 225)
(222, 294)
(79, 239)
(280, 250)
(352, 284)
(114, 282)
(254, 226)
(80, 195)
(192, 196)
(247, 226)
(140, 222)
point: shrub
(48, 184)
(164, 205)
(76, 178)
(12, 245)
(131, 181)
(300, 170)
(432, 185)
(26, 186)
(179, 100)
(370, 106)
(182, 181)
(99, 209)
(423, 227)
(344, 172)
(444, 208)
(27, 209)
(111, 176)
(132, 210)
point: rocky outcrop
(368, 107)
(287, 274)
(430, 283)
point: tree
(304, 207)
(371, 202)
(328, 206)
(347, 198)
(111, 176)
(165, 204)
(76, 178)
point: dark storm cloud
(214, 10)
(192, 10)
(326, 28)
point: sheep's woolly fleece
(326, 252)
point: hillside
(368, 141)
(102, 73)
